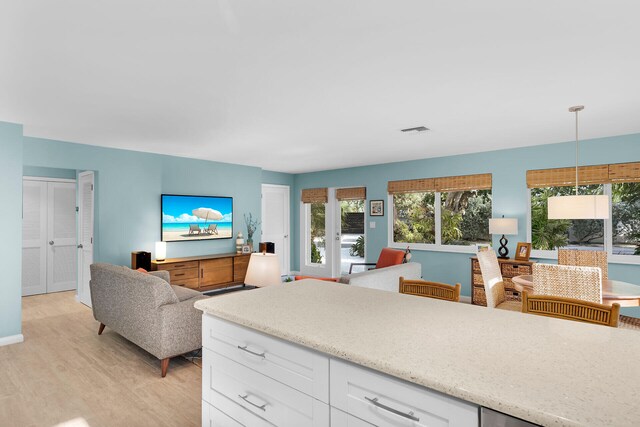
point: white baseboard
(11, 339)
(465, 299)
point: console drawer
(178, 265)
(385, 401)
(297, 367)
(224, 380)
(184, 274)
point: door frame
(338, 232)
(328, 269)
(84, 295)
(287, 214)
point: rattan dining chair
(584, 259)
(423, 288)
(493, 283)
(571, 309)
(582, 283)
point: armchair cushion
(389, 257)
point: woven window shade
(411, 186)
(315, 195)
(562, 177)
(356, 193)
(625, 172)
(464, 182)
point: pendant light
(578, 206)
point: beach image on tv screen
(187, 218)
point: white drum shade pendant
(578, 206)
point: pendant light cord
(576, 153)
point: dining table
(613, 291)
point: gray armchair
(147, 310)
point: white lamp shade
(578, 207)
(263, 270)
(161, 251)
(503, 226)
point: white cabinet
(253, 379)
(388, 402)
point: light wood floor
(65, 371)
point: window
(441, 220)
(547, 235)
(465, 217)
(625, 227)
(318, 233)
(414, 218)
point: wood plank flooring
(64, 371)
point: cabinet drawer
(513, 270)
(178, 265)
(216, 271)
(183, 274)
(342, 419)
(223, 379)
(385, 401)
(475, 265)
(189, 283)
(214, 417)
(479, 297)
(304, 370)
(477, 279)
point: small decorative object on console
(246, 249)
(252, 225)
(239, 242)
(523, 251)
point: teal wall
(45, 172)
(128, 189)
(11, 220)
(509, 194)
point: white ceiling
(303, 85)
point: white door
(34, 237)
(275, 221)
(317, 238)
(85, 235)
(61, 240)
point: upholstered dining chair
(387, 258)
(571, 309)
(583, 283)
(493, 284)
(585, 259)
(423, 288)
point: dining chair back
(582, 283)
(435, 290)
(571, 309)
(492, 278)
(585, 259)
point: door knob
(286, 236)
(51, 242)
(80, 246)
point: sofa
(386, 279)
(147, 310)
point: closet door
(61, 241)
(34, 237)
(85, 236)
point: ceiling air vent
(415, 129)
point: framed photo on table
(523, 251)
(376, 208)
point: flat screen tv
(187, 218)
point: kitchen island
(329, 345)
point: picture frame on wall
(376, 208)
(523, 251)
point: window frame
(608, 235)
(437, 246)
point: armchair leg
(164, 366)
(101, 329)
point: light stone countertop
(544, 370)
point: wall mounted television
(188, 218)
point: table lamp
(161, 251)
(263, 270)
(504, 226)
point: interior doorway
(86, 202)
(351, 245)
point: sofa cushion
(185, 293)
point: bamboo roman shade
(450, 183)
(355, 193)
(587, 175)
(315, 195)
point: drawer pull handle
(244, 348)
(179, 274)
(178, 265)
(375, 402)
(246, 399)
